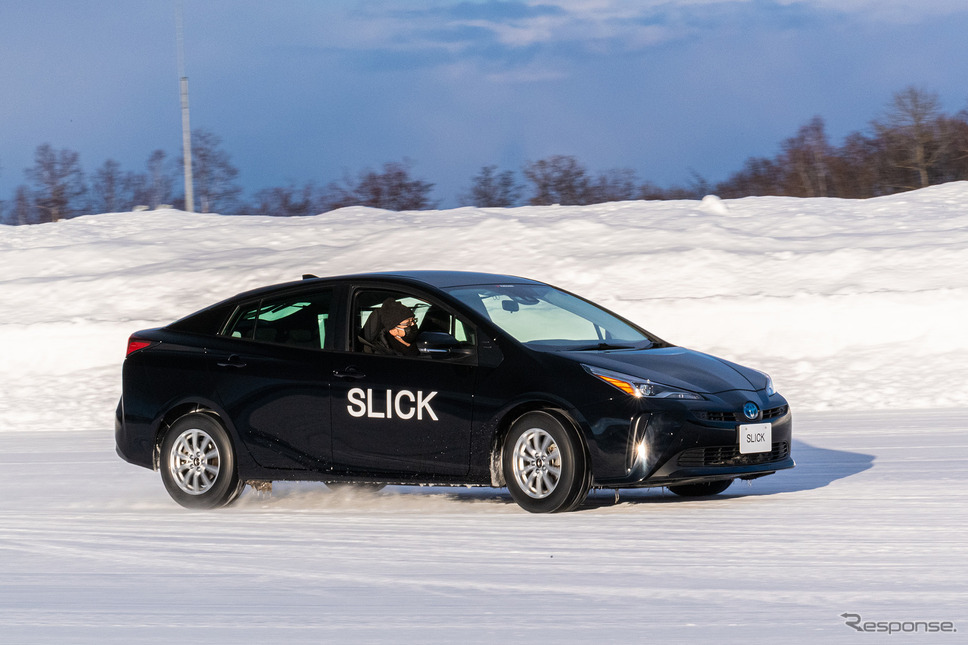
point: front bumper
(692, 445)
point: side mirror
(439, 344)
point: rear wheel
(701, 490)
(198, 463)
(544, 464)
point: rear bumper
(133, 447)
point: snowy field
(856, 308)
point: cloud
(514, 41)
(506, 40)
(519, 25)
(513, 33)
(894, 11)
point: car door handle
(232, 361)
(350, 373)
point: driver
(397, 330)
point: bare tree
(490, 188)
(214, 175)
(23, 206)
(137, 191)
(288, 201)
(759, 176)
(910, 128)
(952, 164)
(160, 182)
(393, 189)
(615, 185)
(107, 186)
(650, 191)
(339, 194)
(856, 168)
(913, 145)
(806, 161)
(58, 183)
(559, 179)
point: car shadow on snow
(816, 468)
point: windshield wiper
(601, 347)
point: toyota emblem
(751, 411)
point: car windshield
(543, 317)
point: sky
(301, 90)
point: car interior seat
(436, 319)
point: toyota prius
(505, 382)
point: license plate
(755, 437)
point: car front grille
(738, 417)
(730, 456)
(774, 413)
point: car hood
(676, 366)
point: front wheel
(198, 463)
(544, 464)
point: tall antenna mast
(186, 127)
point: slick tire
(544, 464)
(198, 463)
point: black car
(507, 382)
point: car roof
(447, 279)
(438, 279)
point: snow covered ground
(856, 308)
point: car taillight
(134, 344)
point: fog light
(641, 451)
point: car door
(399, 414)
(273, 364)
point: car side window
(430, 317)
(301, 320)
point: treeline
(59, 189)
(912, 145)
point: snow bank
(848, 304)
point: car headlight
(639, 387)
(770, 390)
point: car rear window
(300, 320)
(207, 321)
